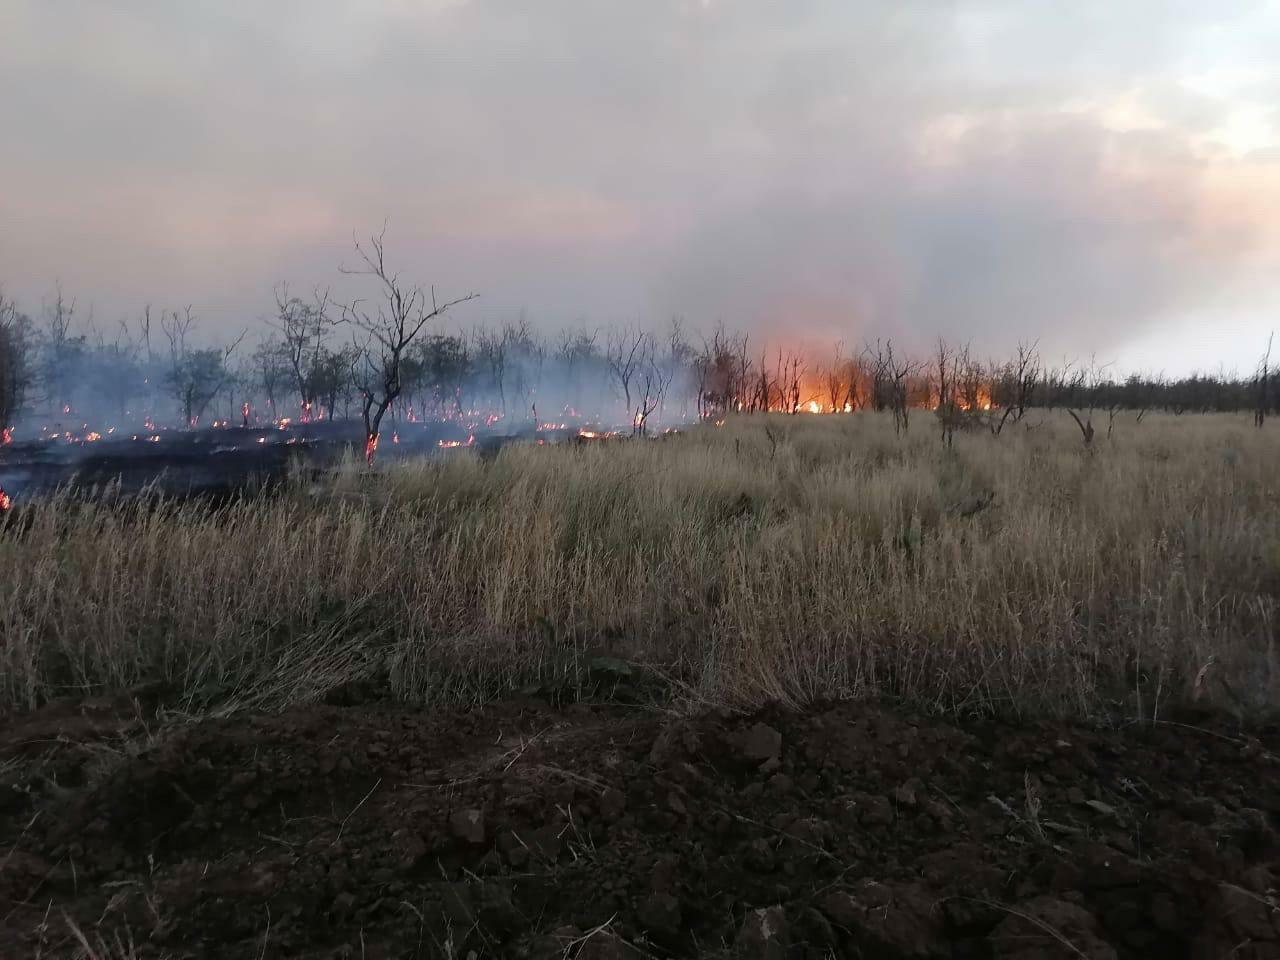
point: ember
(6, 502)
(449, 444)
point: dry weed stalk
(781, 558)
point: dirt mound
(612, 832)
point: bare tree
(62, 350)
(272, 370)
(1026, 373)
(386, 329)
(946, 409)
(625, 354)
(1263, 379)
(302, 328)
(14, 373)
(835, 380)
(679, 357)
(195, 376)
(491, 348)
(655, 378)
(891, 382)
(1085, 385)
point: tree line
(389, 355)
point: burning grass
(787, 559)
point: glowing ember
(6, 436)
(370, 448)
(6, 502)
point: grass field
(779, 559)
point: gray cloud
(983, 170)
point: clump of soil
(612, 832)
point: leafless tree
(1085, 385)
(196, 376)
(62, 349)
(835, 380)
(625, 351)
(1263, 381)
(762, 396)
(1026, 373)
(891, 381)
(271, 370)
(303, 327)
(944, 364)
(14, 343)
(791, 370)
(654, 380)
(385, 329)
(491, 349)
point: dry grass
(1013, 572)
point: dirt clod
(610, 833)
(762, 742)
(468, 825)
(764, 935)
(1051, 929)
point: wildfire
(450, 444)
(6, 436)
(6, 501)
(981, 402)
(814, 406)
(371, 448)
(92, 436)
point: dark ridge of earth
(848, 830)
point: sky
(1100, 176)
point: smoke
(988, 170)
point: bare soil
(524, 830)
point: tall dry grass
(1013, 572)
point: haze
(1103, 176)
